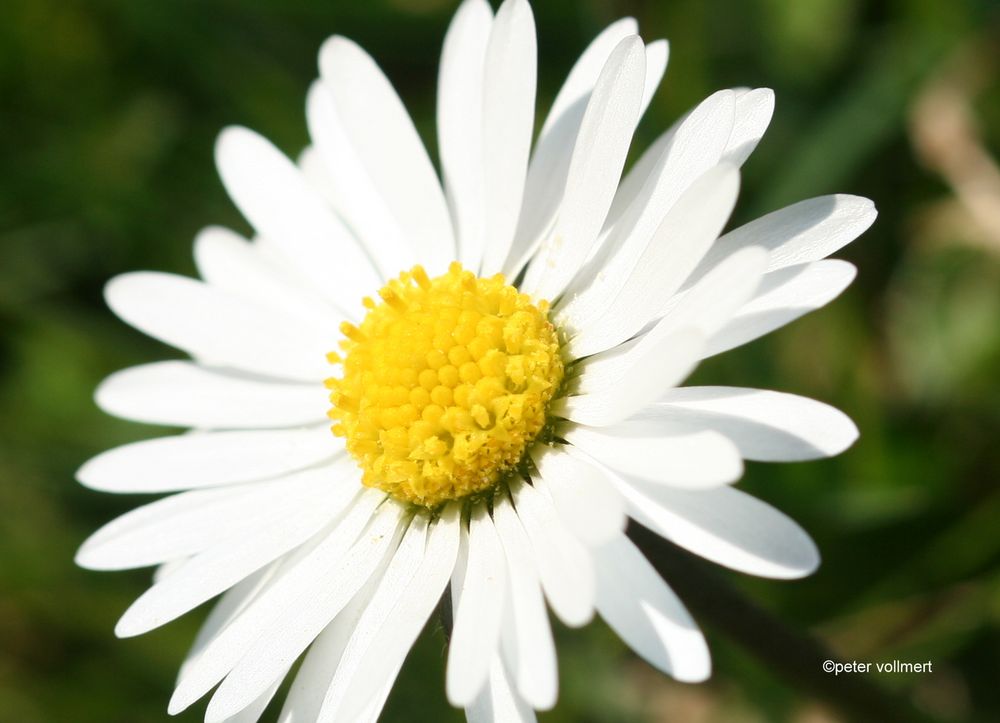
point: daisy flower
(499, 352)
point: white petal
(679, 243)
(253, 712)
(691, 315)
(717, 297)
(393, 642)
(376, 703)
(533, 655)
(508, 120)
(360, 203)
(646, 614)
(280, 645)
(217, 326)
(276, 199)
(497, 702)
(321, 663)
(310, 503)
(375, 615)
(657, 55)
(693, 147)
(290, 588)
(583, 76)
(655, 452)
(188, 523)
(183, 394)
(564, 565)
(173, 527)
(229, 606)
(753, 114)
(460, 125)
(586, 501)
(783, 296)
(672, 163)
(725, 526)
(594, 169)
(806, 231)
(632, 381)
(479, 611)
(550, 161)
(168, 568)
(189, 461)
(316, 173)
(764, 425)
(229, 262)
(386, 142)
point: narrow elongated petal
(476, 633)
(359, 201)
(168, 568)
(217, 568)
(754, 109)
(646, 614)
(657, 55)
(276, 199)
(783, 296)
(189, 461)
(694, 148)
(563, 564)
(212, 324)
(680, 242)
(532, 657)
(176, 526)
(320, 177)
(549, 165)
(547, 174)
(594, 169)
(188, 523)
(717, 297)
(418, 602)
(312, 684)
(725, 526)
(184, 394)
(680, 155)
(252, 712)
(280, 645)
(508, 120)
(677, 338)
(587, 502)
(227, 261)
(387, 144)
(662, 454)
(229, 606)
(806, 231)
(633, 381)
(582, 78)
(293, 586)
(498, 701)
(764, 425)
(460, 125)
(376, 614)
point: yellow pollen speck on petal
(445, 383)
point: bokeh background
(108, 113)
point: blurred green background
(108, 113)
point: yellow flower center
(445, 383)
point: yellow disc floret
(445, 383)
